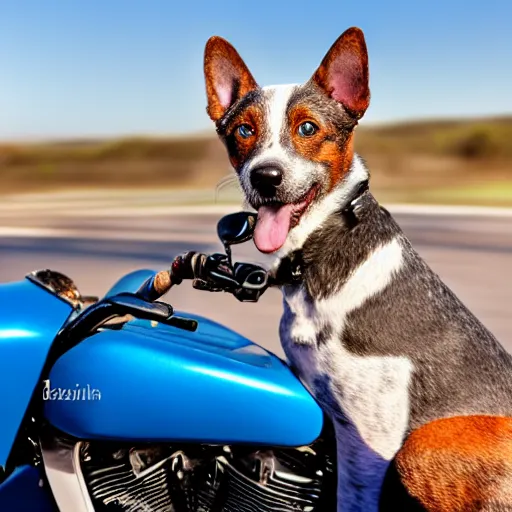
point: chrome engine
(196, 478)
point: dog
(418, 390)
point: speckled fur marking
(367, 396)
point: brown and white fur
(419, 392)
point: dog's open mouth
(275, 221)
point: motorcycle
(124, 404)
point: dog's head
(290, 145)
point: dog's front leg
(359, 394)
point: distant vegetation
(409, 161)
(466, 161)
(487, 138)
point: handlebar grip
(155, 286)
(185, 266)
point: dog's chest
(369, 391)
(366, 397)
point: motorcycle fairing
(130, 282)
(151, 382)
(30, 317)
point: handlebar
(214, 273)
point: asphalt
(96, 244)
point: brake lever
(219, 272)
(205, 286)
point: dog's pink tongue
(272, 227)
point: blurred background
(108, 161)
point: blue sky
(114, 67)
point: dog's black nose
(266, 178)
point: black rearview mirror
(236, 228)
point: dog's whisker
(224, 182)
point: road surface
(95, 243)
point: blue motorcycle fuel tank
(152, 382)
(30, 317)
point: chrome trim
(61, 460)
(57, 284)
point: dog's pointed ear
(227, 77)
(343, 73)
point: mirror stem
(227, 248)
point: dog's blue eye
(307, 129)
(245, 131)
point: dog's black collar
(291, 268)
(358, 192)
(348, 212)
